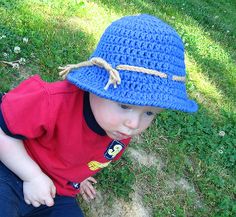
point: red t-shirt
(58, 136)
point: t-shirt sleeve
(5, 129)
(26, 109)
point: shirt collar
(89, 117)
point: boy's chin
(117, 135)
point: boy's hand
(39, 191)
(87, 191)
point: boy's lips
(123, 134)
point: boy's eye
(149, 113)
(124, 106)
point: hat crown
(147, 55)
(143, 41)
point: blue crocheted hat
(139, 60)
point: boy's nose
(132, 122)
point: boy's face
(121, 121)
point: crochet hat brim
(162, 93)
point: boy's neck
(89, 117)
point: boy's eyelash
(124, 106)
(149, 113)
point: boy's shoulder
(52, 88)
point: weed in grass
(119, 179)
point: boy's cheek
(110, 121)
(145, 126)
(113, 121)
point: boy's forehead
(150, 108)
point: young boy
(55, 136)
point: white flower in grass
(22, 61)
(17, 49)
(15, 66)
(3, 36)
(5, 54)
(32, 55)
(25, 40)
(220, 151)
(222, 133)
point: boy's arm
(38, 188)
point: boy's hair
(139, 60)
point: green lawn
(195, 175)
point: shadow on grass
(215, 18)
(207, 14)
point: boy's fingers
(53, 192)
(90, 195)
(27, 201)
(49, 202)
(90, 191)
(36, 204)
(91, 179)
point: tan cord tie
(114, 76)
(143, 70)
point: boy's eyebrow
(158, 110)
(153, 109)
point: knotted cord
(114, 76)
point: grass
(197, 149)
